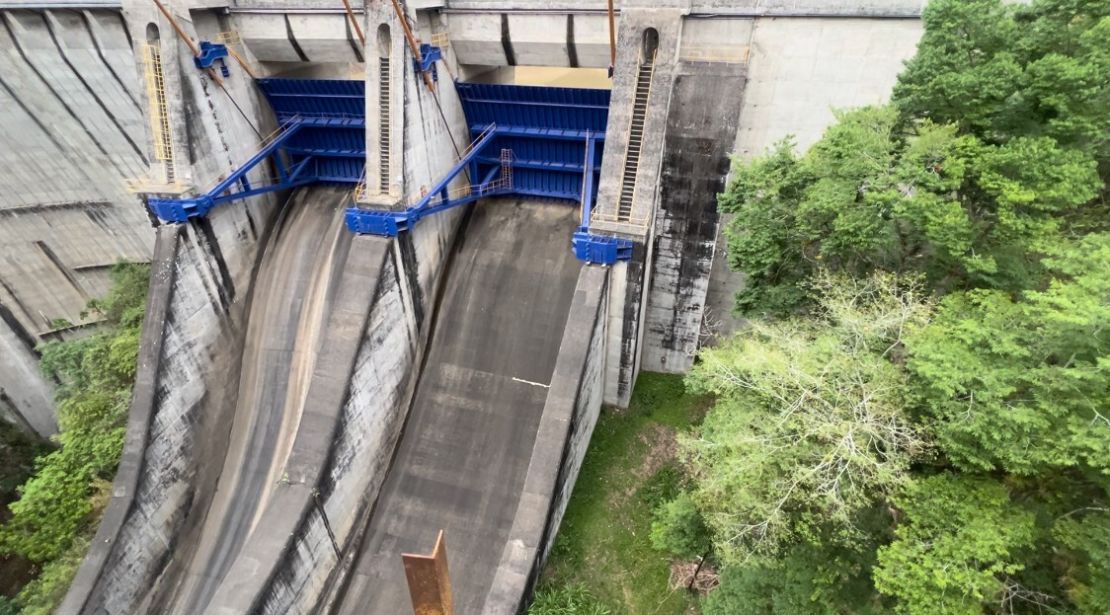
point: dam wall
(74, 132)
(284, 568)
(647, 311)
(362, 387)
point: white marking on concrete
(535, 384)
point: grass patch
(603, 544)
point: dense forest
(917, 417)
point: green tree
(964, 212)
(806, 580)
(679, 529)
(809, 431)
(985, 177)
(786, 205)
(990, 154)
(1023, 384)
(959, 541)
(1002, 71)
(1086, 540)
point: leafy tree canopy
(1003, 71)
(959, 541)
(96, 374)
(989, 155)
(984, 484)
(809, 431)
(1021, 384)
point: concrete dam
(400, 257)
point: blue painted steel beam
(296, 174)
(575, 106)
(532, 132)
(590, 247)
(546, 127)
(390, 223)
(333, 153)
(540, 165)
(180, 210)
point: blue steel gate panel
(546, 129)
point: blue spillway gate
(554, 138)
(322, 139)
(546, 129)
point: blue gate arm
(303, 168)
(390, 223)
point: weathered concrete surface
(569, 416)
(284, 37)
(173, 434)
(464, 453)
(185, 321)
(629, 281)
(346, 443)
(202, 129)
(265, 572)
(493, 39)
(739, 8)
(637, 19)
(701, 126)
(744, 8)
(72, 134)
(290, 301)
(344, 451)
(800, 71)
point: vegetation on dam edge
(58, 506)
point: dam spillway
(272, 501)
(462, 459)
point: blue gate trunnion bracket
(209, 54)
(429, 55)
